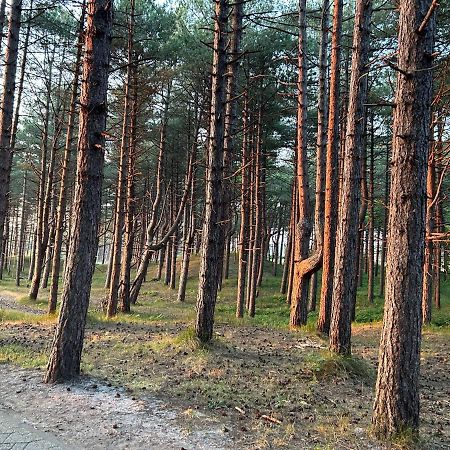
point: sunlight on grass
(23, 356)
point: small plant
(326, 364)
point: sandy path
(97, 416)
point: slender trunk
(212, 236)
(371, 224)
(23, 219)
(7, 110)
(257, 229)
(65, 357)
(121, 179)
(45, 183)
(427, 288)
(385, 225)
(300, 284)
(331, 175)
(62, 200)
(245, 213)
(130, 228)
(347, 237)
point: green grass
(327, 365)
(23, 356)
(13, 315)
(157, 303)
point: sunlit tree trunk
(345, 274)
(396, 407)
(331, 175)
(300, 283)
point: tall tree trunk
(23, 219)
(45, 181)
(321, 144)
(256, 241)
(331, 175)
(65, 357)
(427, 288)
(396, 406)
(234, 54)
(212, 236)
(122, 178)
(244, 231)
(300, 284)
(66, 165)
(385, 225)
(44, 233)
(130, 228)
(345, 275)
(371, 224)
(7, 110)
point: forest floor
(256, 386)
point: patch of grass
(406, 439)
(22, 356)
(13, 315)
(327, 365)
(40, 303)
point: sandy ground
(91, 415)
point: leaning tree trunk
(212, 237)
(396, 407)
(345, 274)
(65, 357)
(7, 110)
(331, 175)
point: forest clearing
(223, 224)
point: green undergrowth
(22, 356)
(327, 365)
(13, 315)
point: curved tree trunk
(300, 283)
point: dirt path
(87, 414)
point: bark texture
(7, 110)
(65, 357)
(345, 273)
(396, 407)
(331, 175)
(211, 233)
